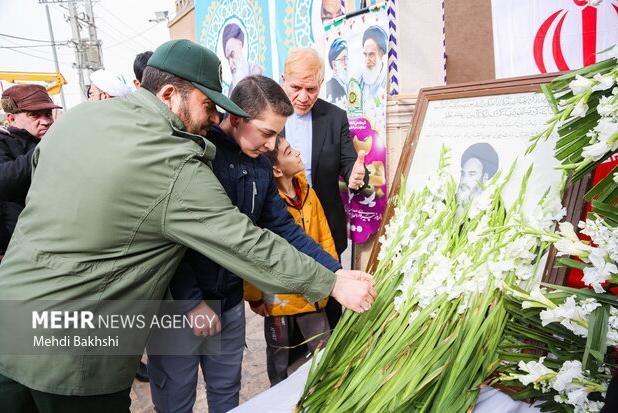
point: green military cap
(198, 65)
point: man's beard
(465, 194)
(370, 76)
(241, 72)
(191, 126)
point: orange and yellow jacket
(309, 214)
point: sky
(122, 26)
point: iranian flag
(543, 36)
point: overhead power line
(30, 46)
(35, 56)
(131, 38)
(26, 38)
(38, 53)
(136, 37)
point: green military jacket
(118, 193)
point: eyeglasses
(343, 59)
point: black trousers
(17, 398)
(279, 332)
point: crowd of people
(138, 194)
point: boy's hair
(272, 155)
(254, 94)
(140, 62)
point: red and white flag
(543, 36)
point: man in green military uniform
(121, 188)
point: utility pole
(78, 44)
(53, 46)
(92, 33)
(88, 56)
(88, 49)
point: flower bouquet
(585, 103)
(555, 343)
(431, 338)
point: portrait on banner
(355, 54)
(234, 48)
(237, 32)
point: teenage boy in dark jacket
(248, 180)
(29, 114)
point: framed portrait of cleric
(487, 127)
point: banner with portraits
(254, 36)
(355, 57)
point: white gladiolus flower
(600, 271)
(605, 129)
(568, 247)
(536, 372)
(524, 272)
(595, 151)
(599, 258)
(570, 370)
(580, 109)
(520, 248)
(538, 295)
(594, 278)
(605, 82)
(565, 311)
(550, 316)
(592, 407)
(602, 235)
(594, 2)
(578, 396)
(551, 210)
(567, 230)
(580, 85)
(576, 328)
(612, 337)
(500, 268)
(572, 316)
(537, 300)
(553, 207)
(605, 107)
(588, 305)
(613, 317)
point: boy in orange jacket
(286, 313)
